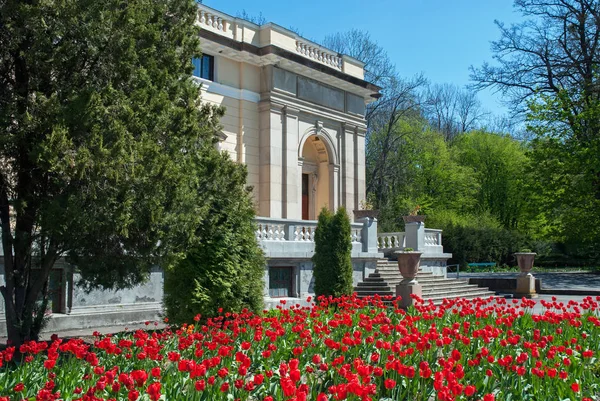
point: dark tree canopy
(103, 143)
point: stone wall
(77, 309)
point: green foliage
(425, 174)
(477, 238)
(104, 143)
(225, 268)
(567, 174)
(333, 246)
(498, 163)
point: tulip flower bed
(343, 349)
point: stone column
(415, 235)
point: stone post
(415, 235)
(405, 290)
(369, 234)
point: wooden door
(305, 197)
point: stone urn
(361, 214)
(408, 264)
(525, 262)
(414, 219)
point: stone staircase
(386, 276)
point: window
(204, 67)
(280, 282)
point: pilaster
(348, 167)
(334, 173)
(360, 161)
(292, 180)
(271, 159)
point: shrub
(332, 258)
(226, 268)
(477, 238)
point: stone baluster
(302, 233)
(220, 23)
(264, 232)
(281, 232)
(297, 233)
(202, 17)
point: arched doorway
(317, 177)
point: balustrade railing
(316, 52)
(433, 237)
(206, 18)
(391, 240)
(270, 229)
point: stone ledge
(61, 322)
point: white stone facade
(295, 115)
(294, 112)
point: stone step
(445, 286)
(438, 300)
(362, 294)
(481, 294)
(435, 287)
(453, 293)
(396, 271)
(427, 292)
(372, 284)
(434, 280)
(420, 279)
(376, 290)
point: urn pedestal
(408, 264)
(525, 280)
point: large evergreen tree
(103, 145)
(225, 269)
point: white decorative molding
(229, 91)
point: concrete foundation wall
(303, 278)
(150, 292)
(101, 307)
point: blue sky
(440, 38)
